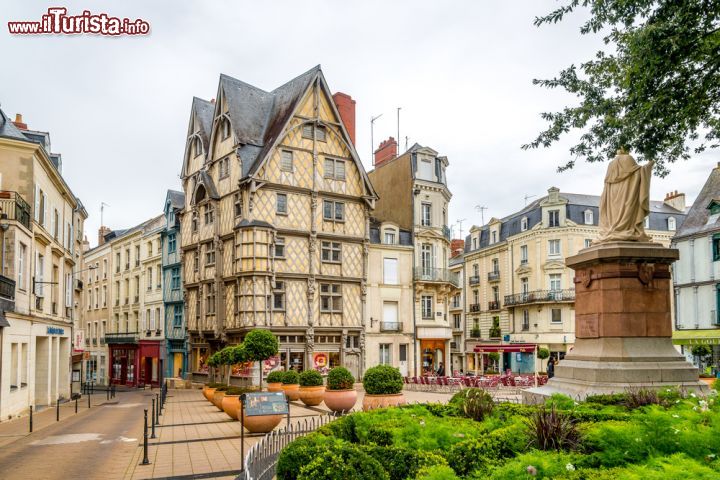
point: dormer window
(523, 224)
(225, 128)
(588, 217)
(389, 237)
(198, 146)
(553, 218)
(671, 224)
(475, 243)
(493, 236)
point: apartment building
(41, 231)
(517, 287)
(275, 226)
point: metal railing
(436, 275)
(446, 232)
(494, 305)
(15, 207)
(474, 307)
(391, 326)
(474, 280)
(540, 296)
(7, 288)
(493, 276)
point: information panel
(265, 403)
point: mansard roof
(175, 198)
(699, 218)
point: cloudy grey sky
(117, 108)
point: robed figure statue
(625, 200)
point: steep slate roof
(176, 198)
(8, 128)
(575, 209)
(204, 112)
(698, 218)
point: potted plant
(213, 362)
(231, 401)
(311, 388)
(274, 381)
(209, 390)
(260, 345)
(383, 387)
(291, 384)
(340, 394)
(218, 396)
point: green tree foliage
(260, 344)
(654, 88)
(543, 353)
(340, 378)
(382, 380)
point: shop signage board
(265, 403)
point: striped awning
(507, 347)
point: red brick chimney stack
(457, 246)
(19, 123)
(386, 151)
(101, 234)
(346, 107)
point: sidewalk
(18, 428)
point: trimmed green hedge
(310, 378)
(382, 380)
(340, 378)
(275, 377)
(290, 377)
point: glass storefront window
(297, 362)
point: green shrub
(543, 353)
(382, 380)
(607, 399)
(215, 384)
(560, 401)
(238, 390)
(401, 463)
(474, 403)
(474, 454)
(550, 429)
(275, 376)
(701, 351)
(343, 461)
(545, 465)
(290, 377)
(340, 378)
(716, 385)
(238, 354)
(225, 356)
(342, 428)
(260, 344)
(380, 435)
(221, 387)
(310, 378)
(436, 472)
(214, 360)
(301, 452)
(507, 410)
(641, 397)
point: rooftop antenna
(406, 142)
(372, 140)
(398, 127)
(527, 197)
(102, 212)
(460, 222)
(481, 209)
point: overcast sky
(117, 108)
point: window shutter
(45, 213)
(340, 170)
(152, 319)
(68, 290)
(37, 203)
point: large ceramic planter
(709, 381)
(231, 405)
(262, 423)
(209, 392)
(371, 402)
(292, 391)
(312, 396)
(217, 398)
(274, 387)
(340, 400)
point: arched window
(198, 146)
(671, 224)
(200, 194)
(588, 217)
(523, 224)
(225, 128)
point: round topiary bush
(382, 380)
(290, 377)
(238, 354)
(260, 345)
(275, 377)
(310, 378)
(340, 378)
(543, 353)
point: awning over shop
(507, 347)
(696, 337)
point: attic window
(671, 224)
(307, 132)
(200, 194)
(714, 207)
(225, 129)
(589, 217)
(523, 224)
(198, 147)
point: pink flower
(531, 470)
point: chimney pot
(386, 151)
(19, 122)
(346, 108)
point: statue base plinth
(622, 324)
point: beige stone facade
(96, 310)
(275, 229)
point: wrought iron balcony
(426, 274)
(391, 326)
(474, 307)
(494, 305)
(7, 288)
(494, 276)
(122, 337)
(475, 333)
(14, 207)
(474, 280)
(446, 232)
(540, 296)
(453, 345)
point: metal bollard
(31, 411)
(76, 403)
(113, 391)
(157, 410)
(107, 393)
(57, 410)
(88, 400)
(159, 402)
(145, 461)
(152, 420)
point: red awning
(508, 347)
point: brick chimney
(675, 200)
(386, 151)
(19, 123)
(346, 107)
(457, 246)
(101, 234)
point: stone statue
(625, 200)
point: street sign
(265, 403)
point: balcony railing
(7, 288)
(126, 337)
(540, 296)
(494, 305)
(493, 276)
(474, 307)
(475, 333)
(391, 326)
(14, 207)
(436, 275)
(474, 280)
(453, 345)
(446, 232)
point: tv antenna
(102, 212)
(372, 139)
(528, 197)
(460, 222)
(481, 209)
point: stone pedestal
(623, 326)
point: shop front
(432, 356)
(499, 357)
(151, 363)
(124, 364)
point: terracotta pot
(709, 381)
(274, 387)
(292, 391)
(217, 398)
(371, 402)
(312, 396)
(262, 423)
(340, 400)
(231, 405)
(209, 392)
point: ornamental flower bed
(636, 435)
